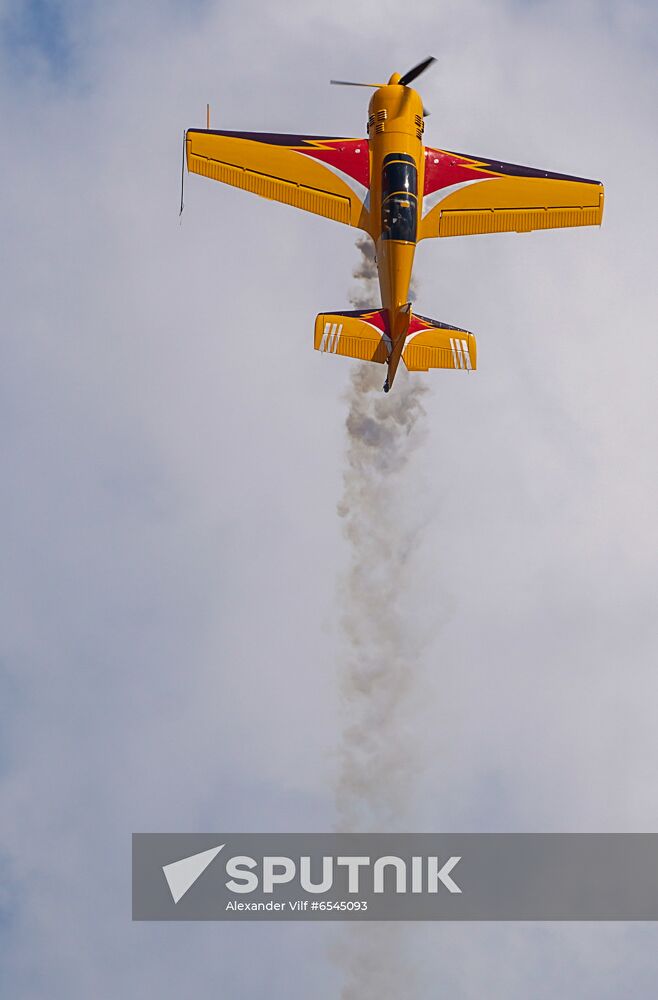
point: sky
(173, 458)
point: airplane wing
(330, 177)
(464, 195)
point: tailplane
(362, 334)
(431, 344)
(365, 334)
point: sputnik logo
(181, 875)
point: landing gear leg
(386, 386)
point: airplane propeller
(404, 80)
(411, 74)
(351, 83)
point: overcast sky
(173, 452)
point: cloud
(174, 451)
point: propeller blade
(416, 71)
(350, 83)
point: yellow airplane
(398, 191)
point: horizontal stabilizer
(361, 334)
(364, 334)
(431, 344)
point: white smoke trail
(377, 756)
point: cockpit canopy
(399, 198)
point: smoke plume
(376, 753)
(377, 757)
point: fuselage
(395, 129)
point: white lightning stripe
(323, 342)
(454, 355)
(340, 330)
(359, 189)
(331, 338)
(432, 199)
(467, 356)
